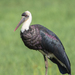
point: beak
(21, 21)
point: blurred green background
(56, 15)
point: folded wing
(52, 45)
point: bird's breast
(32, 38)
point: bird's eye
(25, 15)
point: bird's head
(26, 17)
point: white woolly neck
(26, 24)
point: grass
(56, 15)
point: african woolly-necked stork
(39, 38)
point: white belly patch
(49, 55)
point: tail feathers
(62, 69)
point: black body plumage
(40, 38)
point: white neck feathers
(26, 24)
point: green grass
(56, 15)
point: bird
(37, 37)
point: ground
(56, 15)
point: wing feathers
(54, 46)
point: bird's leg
(46, 64)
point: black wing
(52, 44)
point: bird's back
(52, 45)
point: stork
(38, 37)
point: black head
(25, 14)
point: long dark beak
(21, 21)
